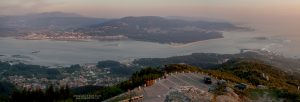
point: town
(89, 74)
(67, 36)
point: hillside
(270, 83)
(212, 60)
(280, 86)
(144, 28)
(161, 30)
(246, 68)
(177, 81)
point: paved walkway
(159, 91)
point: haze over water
(68, 52)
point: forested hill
(212, 60)
(143, 28)
(161, 30)
(258, 73)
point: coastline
(180, 45)
(72, 38)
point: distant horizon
(280, 17)
(170, 16)
(226, 9)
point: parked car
(241, 86)
(207, 80)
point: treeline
(181, 68)
(51, 94)
(137, 79)
(28, 70)
(6, 89)
(117, 68)
(38, 71)
(203, 60)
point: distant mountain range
(144, 28)
(14, 25)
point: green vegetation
(281, 84)
(225, 75)
(137, 79)
(28, 70)
(72, 68)
(117, 68)
(203, 60)
(86, 89)
(109, 92)
(181, 68)
(51, 94)
(258, 73)
(273, 94)
(6, 89)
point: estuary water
(63, 53)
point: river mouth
(64, 53)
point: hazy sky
(119, 8)
(274, 12)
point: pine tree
(50, 93)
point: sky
(119, 8)
(271, 12)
